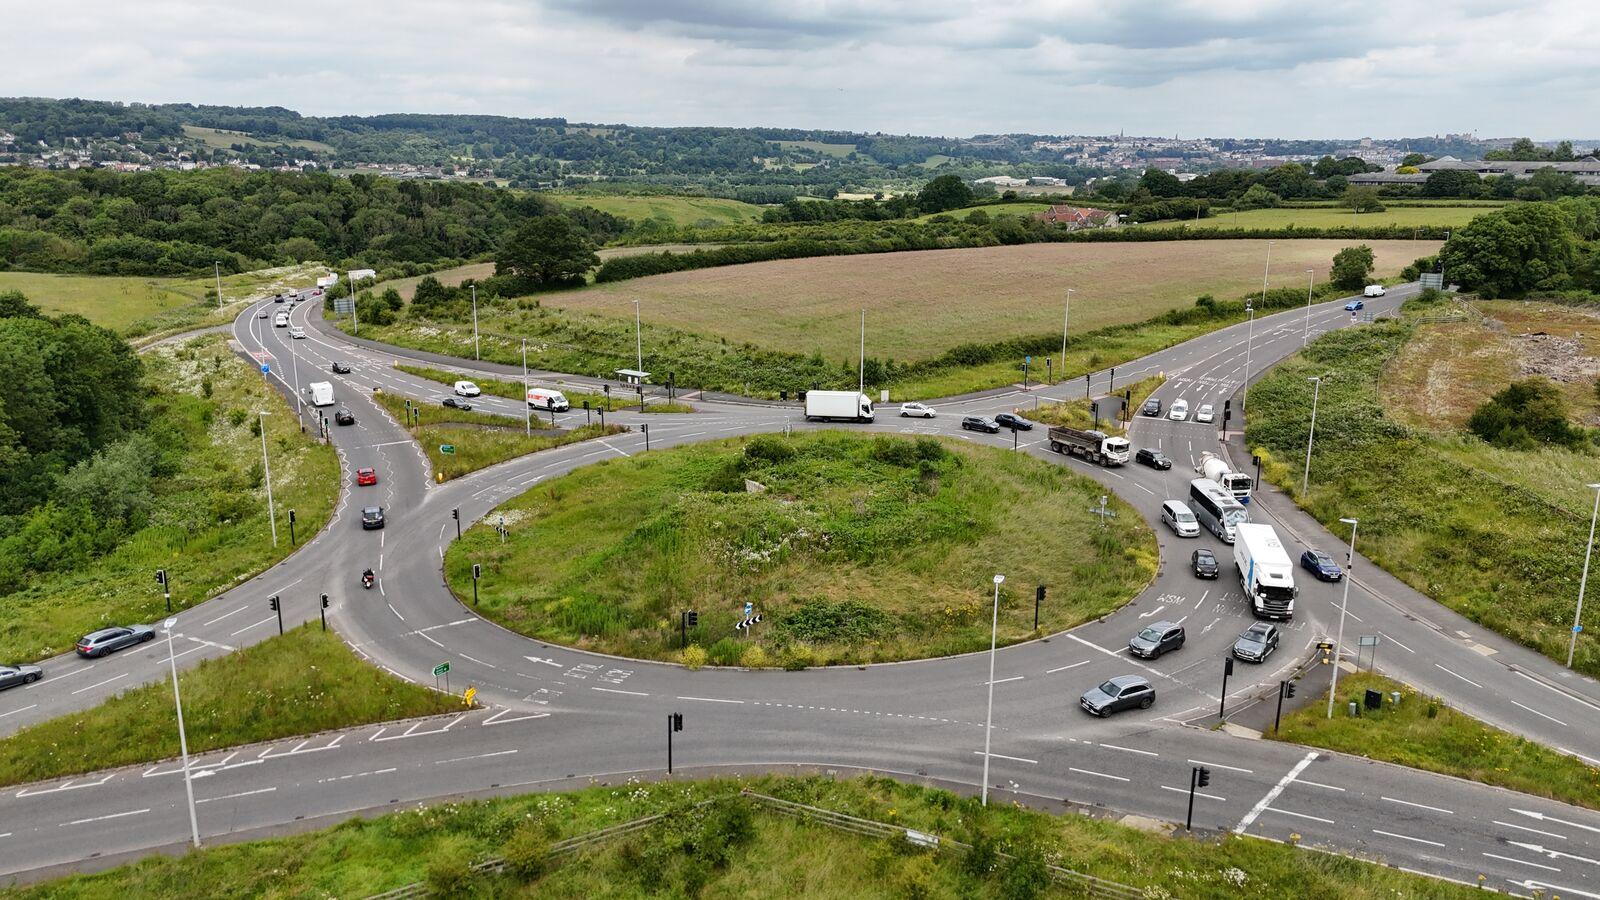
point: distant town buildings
(1586, 171)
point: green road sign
(440, 669)
(447, 449)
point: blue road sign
(265, 369)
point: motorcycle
(366, 579)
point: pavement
(555, 713)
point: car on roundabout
(343, 417)
(366, 476)
(110, 640)
(371, 518)
(1256, 643)
(1205, 414)
(467, 389)
(340, 368)
(1155, 459)
(1354, 305)
(1204, 564)
(453, 403)
(980, 423)
(16, 676)
(1321, 565)
(917, 410)
(1013, 422)
(1156, 639)
(1121, 693)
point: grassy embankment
(1332, 217)
(1423, 733)
(738, 849)
(141, 307)
(1497, 535)
(208, 527)
(859, 550)
(301, 683)
(1080, 414)
(749, 329)
(697, 212)
(480, 439)
(512, 390)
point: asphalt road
(556, 712)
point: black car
(1204, 563)
(1154, 640)
(12, 676)
(1120, 693)
(278, 299)
(980, 423)
(1152, 407)
(453, 403)
(1013, 422)
(340, 368)
(1256, 643)
(108, 640)
(1153, 458)
(371, 517)
(343, 417)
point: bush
(1025, 876)
(849, 621)
(753, 657)
(769, 448)
(527, 853)
(694, 656)
(449, 870)
(726, 652)
(1524, 415)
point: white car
(1180, 411)
(467, 389)
(1205, 414)
(917, 409)
(297, 333)
(1373, 290)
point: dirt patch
(1557, 358)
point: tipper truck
(849, 406)
(1265, 571)
(1094, 446)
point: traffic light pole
(277, 607)
(1188, 820)
(674, 723)
(1285, 689)
(324, 612)
(1227, 669)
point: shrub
(726, 652)
(894, 451)
(769, 448)
(449, 869)
(527, 852)
(753, 657)
(1524, 415)
(1025, 876)
(694, 656)
(842, 621)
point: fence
(1089, 885)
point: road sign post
(442, 669)
(447, 449)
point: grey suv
(1120, 693)
(110, 640)
(1154, 640)
(1256, 643)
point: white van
(1180, 410)
(1180, 518)
(281, 320)
(321, 393)
(297, 333)
(1373, 290)
(467, 389)
(542, 398)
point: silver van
(1180, 518)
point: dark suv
(372, 517)
(1013, 422)
(1256, 643)
(1150, 456)
(1152, 407)
(1154, 640)
(980, 423)
(1204, 563)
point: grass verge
(303, 682)
(1444, 513)
(1080, 413)
(1423, 733)
(511, 390)
(208, 527)
(478, 439)
(857, 550)
(708, 853)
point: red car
(366, 476)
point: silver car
(110, 640)
(13, 676)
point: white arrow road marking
(1553, 854)
(548, 662)
(1146, 615)
(1544, 818)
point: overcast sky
(1188, 67)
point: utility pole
(355, 315)
(638, 340)
(266, 471)
(1577, 618)
(475, 354)
(1344, 604)
(299, 398)
(1248, 343)
(861, 382)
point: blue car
(1321, 565)
(1354, 305)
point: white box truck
(321, 393)
(1216, 468)
(848, 406)
(1265, 572)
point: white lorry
(1265, 572)
(1216, 468)
(1094, 446)
(848, 406)
(321, 393)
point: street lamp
(183, 739)
(1065, 315)
(475, 354)
(266, 471)
(861, 382)
(1316, 389)
(355, 314)
(216, 269)
(527, 411)
(299, 409)
(1249, 341)
(988, 719)
(1572, 647)
(1442, 285)
(1265, 270)
(1344, 604)
(638, 338)
(1311, 277)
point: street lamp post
(1442, 284)
(1316, 389)
(475, 354)
(266, 471)
(988, 718)
(183, 739)
(527, 411)
(1577, 617)
(216, 269)
(861, 376)
(1311, 278)
(1248, 343)
(638, 338)
(1065, 315)
(1344, 604)
(1264, 272)
(299, 410)
(355, 314)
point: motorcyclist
(367, 577)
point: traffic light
(1204, 779)
(1038, 593)
(693, 618)
(455, 513)
(291, 517)
(677, 721)
(273, 602)
(161, 577)
(477, 571)
(1288, 689)
(324, 601)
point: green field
(1333, 217)
(838, 151)
(1021, 208)
(678, 210)
(1490, 533)
(301, 683)
(857, 550)
(219, 139)
(735, 848)
(137, 306)
(208, 525)
(1423, 733)
(481, 439)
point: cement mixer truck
(1216, 468)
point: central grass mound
(853, 549)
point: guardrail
(1089, 885)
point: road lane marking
(1319, 784)
(1201, 762)
(59, 677)
(710, 700)
(223, 616)
(496, 718)
(1460, 676)
(615, 691)
(248, 627)
(1128, 749)
(266, 790)
(1437, 809)
(1298, 815)
(1544, 818)
(15, 711)
(1522, 862)
(100, 683)
(1407, 837)
(441, 762)
(1549, 834)
(1184, 790)
(1064, 668)
(1004, 680)
(1402, 646)
(1271, 795)
(1558, 691)
(131, 812)
(1540, 714)
(1031, 762)
(1098, 774)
